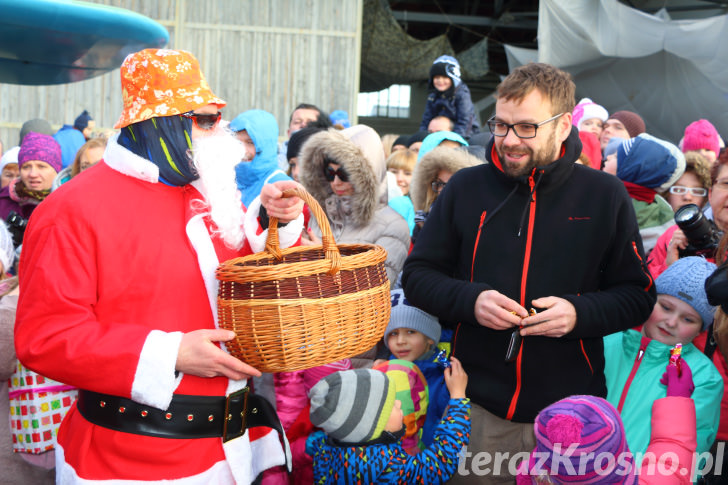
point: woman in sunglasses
(346, 172)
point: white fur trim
(220, 474)
(206, 258)
(154, 379)
(128, 163)
(267, 452)
(287, 235)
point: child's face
(248, 143)
(408, 344)
(610, 165)
(709, 154)
(592, 125)
(404, 177)
(396, 419)
(672, 321)
(441, 83)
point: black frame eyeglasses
(330, 173)
(203, 121)
(438, 185)
(522, 130)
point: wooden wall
(266, 54)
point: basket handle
(328, 243)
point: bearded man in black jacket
(531, 230)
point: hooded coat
(434, 139)
(364, 217)
(454, 103)
(439, 158)
(563, 230)
(262, 128)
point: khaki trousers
(497, 446)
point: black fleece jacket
(566, 230)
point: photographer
(39, 161)
(673, 244)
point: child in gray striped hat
(362, 427)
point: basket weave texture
(304, 306)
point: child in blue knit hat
(450, 97)
(363, 425)
(635, 360)
(413, 335)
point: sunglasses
(330, 173)
(203, 121)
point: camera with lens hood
(702, 234)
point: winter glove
(679, 380)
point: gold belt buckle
(229, 417)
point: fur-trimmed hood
(359, 151)
(440, 158)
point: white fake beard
(215, 157)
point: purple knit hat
(41, 147)
(583, 438)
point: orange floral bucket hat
(162, 82)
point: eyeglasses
(522, 130)
(438, 185)
(330, 173)
(203, 121)
(696, 191)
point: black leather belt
(187, 417)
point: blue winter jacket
(70, 140)
(262, 128)
(389, 463)
(457, 105)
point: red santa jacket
(115, 267)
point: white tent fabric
(670, 72)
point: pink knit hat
(701, 134)
(586, 110)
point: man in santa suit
(119, 297)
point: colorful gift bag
(37, 407)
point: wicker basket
(304, 306)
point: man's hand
(284, 209)
(199, 355)
(456, 379)
(495, 310)
(557, 320)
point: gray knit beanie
(404, 315)
(352, 406)
(685, 279)
(35, 125)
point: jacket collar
(552, 174)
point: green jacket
(654, 219)
(637, 382)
